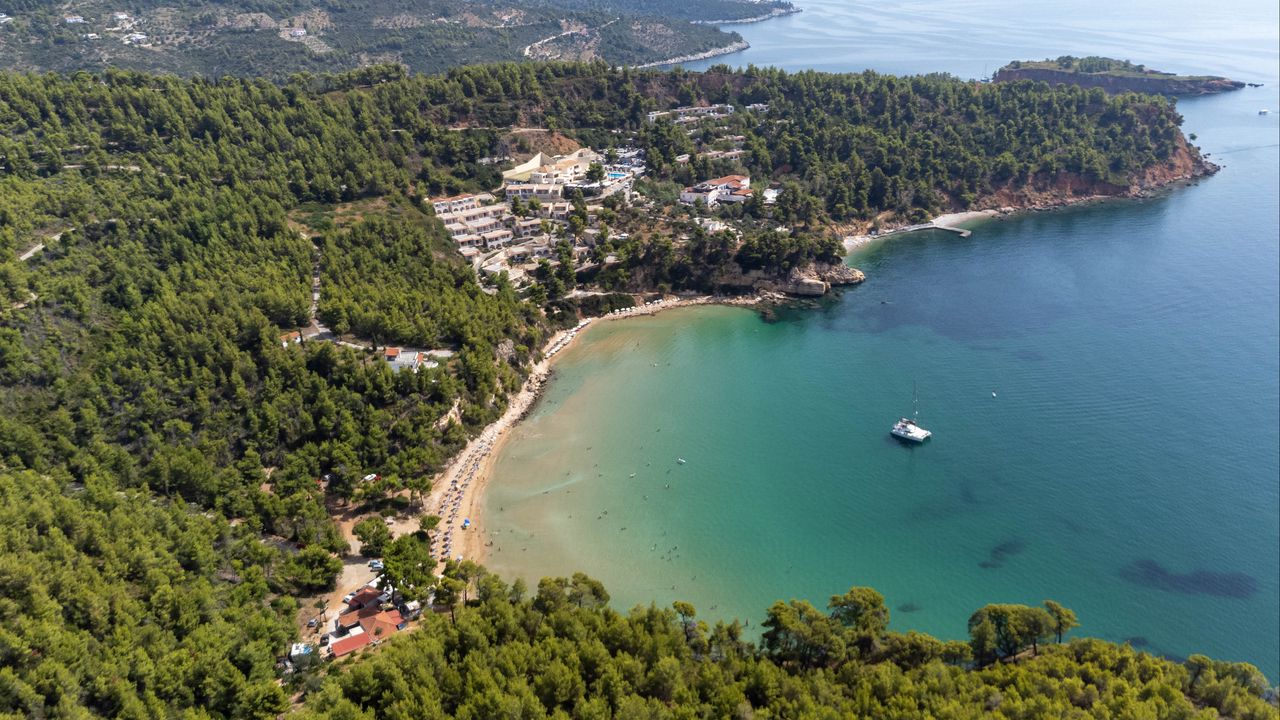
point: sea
(1102, 383)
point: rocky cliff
(809, 281)
(1184, 163)
(1152, 83)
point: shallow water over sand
(1127, 465)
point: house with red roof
(364, 598)
(383, 624)
(365, 626)
(349, 644)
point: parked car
(375, 565)
(347, 598)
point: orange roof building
(383, 624)
(349, 644)
(364, 597)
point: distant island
(1113, 76)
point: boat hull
(908, 431)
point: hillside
(560, 651)
(175, 459)
(275, 39)
(1113, 76)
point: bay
(1127, 464)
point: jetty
(927, 226)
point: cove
(1127, 466)
(1125, 350)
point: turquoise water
(1127, 465)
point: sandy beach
(457, 493)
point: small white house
(300, 651)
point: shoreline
(778, 12)
(952, 221)
(694, 57)
(1146, 188)
(946, 221)
(457, 491)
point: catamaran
(909, 429)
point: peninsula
(1113, 76)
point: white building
(455, 203)
(409, 359)
(730, 188)
(557, 211)
(558, 169)
(528, 228)
(497, 238)
(544, 192)
(692, 113)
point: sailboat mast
(915, 401)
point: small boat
(1263, 111)
(909, 429)
(680, 460)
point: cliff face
(810, 281)
(1156, 84)
(1185, 163)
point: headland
(1114, 76)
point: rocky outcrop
(1152, 83)
(1185, 163)
(813, 280)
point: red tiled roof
(350, 644)
(728, 180)
(363, 597)
(393, 353)
(383, 624)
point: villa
(730, 188)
